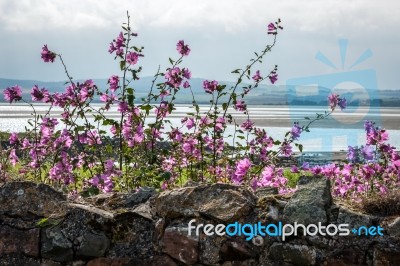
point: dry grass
(382, 205)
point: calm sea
(344, 128)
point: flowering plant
(142, 147)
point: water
(335, 134)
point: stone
(161, 260)
(93, 245)
(81, 220)
(16, 260)
(179, 245)
(111, 262)
(346, 257)
(293, 253)
(241, 263)
(30, 200)
(114, 201)
(55, 245)
(210, 247)
(79, 263)
(266, 191)
(14, 241)
(382, 257)
(221, 202)
(46, 262)
(132, 236)
(354, 219)
(155, 232)
(309, 203)
(237, 250)
(144, 210)
(394, 228)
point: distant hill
(262, 95)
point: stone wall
(38, 226)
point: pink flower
(369, 126)
(117, 44)
(316, 170)
(175, 135)
(267, 175)
(13, 94)
(247, 125)
(242, 168)
(40, 94)
(139, 134)
(204, 121)
(257, 76)
(333, 100)
(294, 169)
(271, 28)
(367, 152)
(104, 181)
(210, 86)
(113, 130)
(186, 73)
(132, 58)
(123, 107)
(93, 138)
(162, 111)
(104, 97)
(62, 170)
(183, 49)
(219, 124)
(190, 123)
(13, 138)
(113, 81)
(13, 157)
(174, 77)
(342, 103)
(189, 146)
(64, 141)
(47, 55)
(273, 77)
(286, 149)
(240, 106)
(296, 131)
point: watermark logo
(359, 87)
(258, 231)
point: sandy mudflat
(386, 122)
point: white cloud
(223, 32)
(230, 15)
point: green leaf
(300, 146)
(166, 175)
(171, 61)
(122, 65)
(224, 106)
(277, 142)
(236, 71)
(131, 98)
(146, 107)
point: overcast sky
(222, 35)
